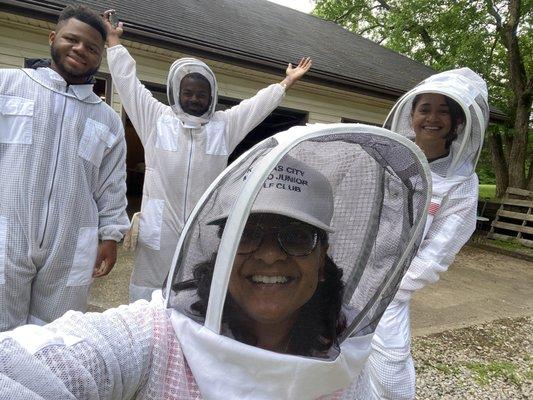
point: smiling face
(77, 50)
(431, 118)
(269, 285)
(195, 95)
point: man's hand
(106, 258)
(113, 32)
(295, 73)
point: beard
(68, 75)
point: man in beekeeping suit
(279, 279)
(186, 145)
(62, 180)
(446, 116)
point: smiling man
(62, 157)
(186, 145)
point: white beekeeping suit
(184, 344)
(451, 221)
(183, 155)
(62, 157)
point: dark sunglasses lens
(298, 240)
(250, 239)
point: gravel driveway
(489, 361)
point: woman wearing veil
(277, 284)
(446, 116)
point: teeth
(432, 128)
(269, 279)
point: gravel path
(489, 361)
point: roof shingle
(260, 34)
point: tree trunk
(518, 81)
(499, 163)
(517, 156)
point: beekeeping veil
(178, 70)
(469, 90)
(337, 177)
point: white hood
(227, 369)
(178, 70)
(469, 90)
(372, 248)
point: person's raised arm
(140, 105)
(114, 31)
(249, 113)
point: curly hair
(319, 322)
(84, 14)
(456, 113)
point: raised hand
(114, 32)
(295, 73)
(300, 70)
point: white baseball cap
(293, 189)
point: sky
(300, 5)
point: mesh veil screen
(378, 197)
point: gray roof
(256, 34)
(262, 35)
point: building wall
(22, 37)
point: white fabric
(124, 353)
(180, 162)
(227, 369)
(389, 372)
(132, 236)
(62, 157)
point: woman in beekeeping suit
(278, 281)
(446, 115)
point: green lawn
(487, 191)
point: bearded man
(186, 145)
(62, 157)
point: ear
(51, 37)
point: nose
(433, 116)
(79, 47)
(195, 98)
(270, 251)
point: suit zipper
(54, 172)
(191, 145)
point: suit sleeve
(110, 196)
(140, 105)
(249, 113)
(82, 356)
(450, 229)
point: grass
(484, 373)
(507, 245)
(446, 369)
(487, 192)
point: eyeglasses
(295, 239)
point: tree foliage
(494, 38)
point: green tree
(494, 38)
